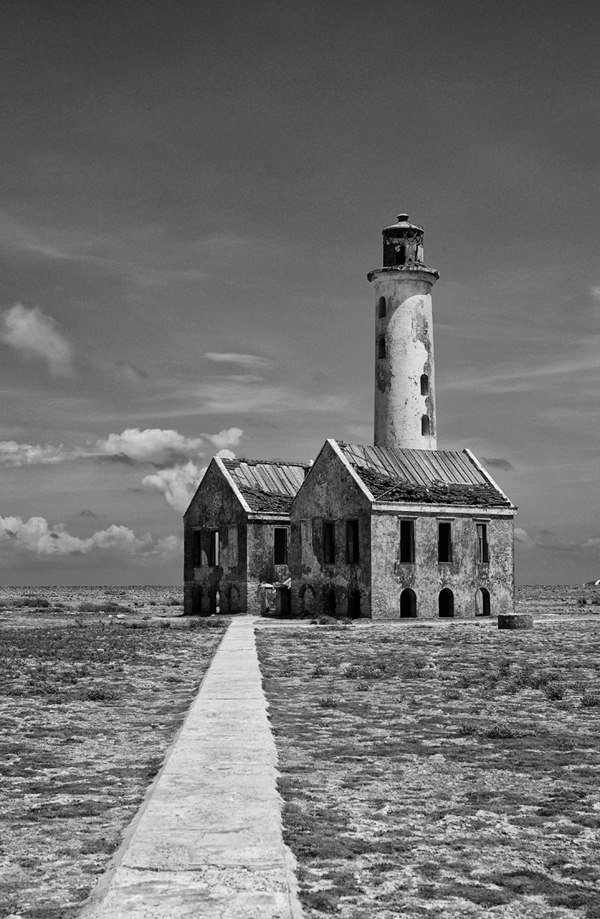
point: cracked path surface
(207, 843)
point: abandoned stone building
(236, 536)
(395, 530)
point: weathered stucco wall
(215, 506)
(329, 493)
(261, 566)
(407, 329)
(464, 575)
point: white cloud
(244, 360)
(177, 484)
(15, 454)
(153, 445)
(38, 537)
(225, 439)
(522, 535)
(35, 335)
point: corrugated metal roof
(268, 487)
(423, 476)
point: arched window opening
(382, 308)
(307, 602)
(329, 604)
(215, 603)
(424, 384)
(446, 603)
(197, 601)
(354, 604)
(381, 349)
(408, 604)
(425, 429)
(483, 602)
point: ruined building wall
(427, 576)
(215, 507)
(330, 494)
(261, 565)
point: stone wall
(426, 576)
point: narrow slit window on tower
(382, 308)
(445, 542)
(328, 542)
(425, 425)
(280, 545)
(483, 549)
(352, 542)
(381, 349)
(407, 540)
(424, 384)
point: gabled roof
(395, 475)
(267, 487)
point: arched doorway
(408, 604)
(215, 602)
(196, 601)
(354, 603)
(483, 602)
(284, 601)
(234, 600)
(446, 603)
(329, 603)
(307, 601)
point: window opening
(280, 546)
(407, 540)
(197, 548)
(424, 384)
(483, 549)
(382, 307)
(483, 602)
(197, 601)
(446, 603)
(352, 542)
(381, 347)
(354, 604)
(408, 604)
(329, 542)
(445, 542)
(425, 425)
(329, 602)
(400, 255)
(215, 548)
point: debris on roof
(268, 487)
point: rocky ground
(93, 687)
(444, 769)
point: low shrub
(590, 698)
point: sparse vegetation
(87, 709)
(447, 771)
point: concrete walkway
(207, 842)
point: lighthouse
(404, 364)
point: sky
(191, 197)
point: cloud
(35, 335)
(153, 445)
(177, 484)
(15, 454)
(224, 439)
(244, 360)
(498, 463)
(547, 541)
(39, 538)
(130, 373)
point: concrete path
(207, 842)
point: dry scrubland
(92, 690)
(427, 770)
(445, 770)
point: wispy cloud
(35, 335)
(252, 361)
(548, 541)
(498, 463)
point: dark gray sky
(192, 194)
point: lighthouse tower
(404, 367)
